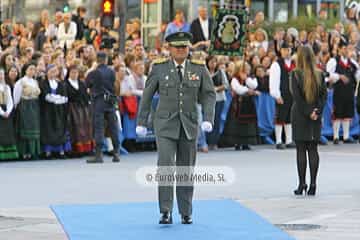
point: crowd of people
(45, 104)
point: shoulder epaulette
(197, 62)
(160, 60)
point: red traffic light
(108, 6)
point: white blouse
(275, 78)
(55, 98)
(129, 85)
(331, 69)
(74, 83)
(19, 87)
(9, 100)
(250, 83)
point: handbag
(130, 106)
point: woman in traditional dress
(26, 101)
(79, 115)
(54, 137)
(241, 124)
(8, 148)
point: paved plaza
(265, 179)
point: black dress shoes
(186, 220)
(336, 141)
(349, 141)
(291, 145)
(98, 157)
(116, 157)
(280, 146)
(166, 218)
(246, 147)
(302, 188)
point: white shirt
(205, 27)
(9, 102)
(331, 69)
(74, 83)
(129, 85)
(275, 78)
(68, 37)
(19, 87)
(182, 68)
(55, 98)
(53, 84)
(250, 83)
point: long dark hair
(210, 58)
(9, 81)
(306, 64)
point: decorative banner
(229, 33)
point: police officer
(181, 84)
(101, 83)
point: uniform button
(181, 86)
(181, 110)
(181, 103)
(167, 85)
(181, 94)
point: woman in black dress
(8, 148)
(79, 115)
(309, 93)
(53, 100)
(241, 124)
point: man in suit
(101, 83)
(201, 29)
(181, 84)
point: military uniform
(101, 82)
(176, 120)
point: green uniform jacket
(178, 100)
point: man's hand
(141, 131)
(314, 115)
(280, 101)
(206, 127)
(207, 43)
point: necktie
(179, 67)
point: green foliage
(300, 23)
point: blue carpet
(216, 220)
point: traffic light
(107, 13)
(108, 6)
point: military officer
(181, 84)
(101, 83)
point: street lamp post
(122, 7)
(318, 7)
(271, 10)
(342, 9)
(295, 8)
